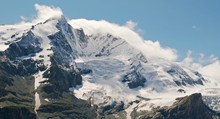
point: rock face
(189, 107)
(16, 98)
(134, 79)
(29, 44)
(16, 113)
(111, 108)
(63, 43)
(66, 106)
(183, 77)
(61, 78)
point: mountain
(53, 70)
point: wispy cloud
(133, 26)
(206, 65)
(43, 13)
(189, 61)
(211, 70)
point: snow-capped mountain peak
(104, 68)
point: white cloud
(189, 61)
(131, 24)
(23, 18)
(213, 58)
(149, 48)
(211, 67)
(202, 58)
(45, 12)
(206, 65)
(212, 70)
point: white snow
(79, 60)
(46, 52)
(7, 31)
(38, 79)
(115, 61)
(3, 47)
(116, 58)
(43, 30)
(37, 102)
(46, 99)
(39, 76)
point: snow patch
(37, 102)
(79, 60)
(3, 47)
(47, 100)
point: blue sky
(184, 25)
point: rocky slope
(189, 107)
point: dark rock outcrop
(134, 79)
(7, 66)
(182, 78)
(189, 107)
(61, 47)
(85, 71)
(24, 67)
(15, 112)
(27, 67)
(61, 78)
(81, 35)
(67, 106)
(112, 108)
(28, 45)
(63, 42)
(16, 98)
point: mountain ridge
(68, 65)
